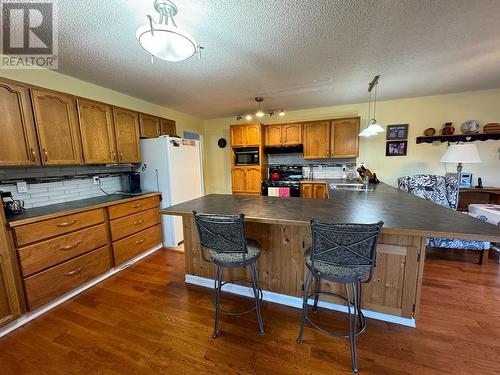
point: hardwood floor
(145, 320)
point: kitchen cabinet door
(292, 134)
(238, 136)
(96, 129)
(317, 140)
(167, 127)
(238, 177)
(127, 135)
(319, 191)
(272, 135)
(10, 307)
(306, 190)
(18, 144)
(150, 126)
(252, 135)
(253, 181)
(345, 138)
(56, 121)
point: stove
(283, 176)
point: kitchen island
(282, 227)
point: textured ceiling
(297, 54)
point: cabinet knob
(113, 155)
(45, 154)
(120, 155)
(33, 155)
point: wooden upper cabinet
(56, 121)
(245, 135)
(292, 134)
(18, 143)
(167, 127)
(345, 138)
(272, 135)
(238, 136)
(127, 135)
(150, 126)
(253, 183)
(96, 128)
(253, 135)
(317, 140)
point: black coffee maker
(131, 182)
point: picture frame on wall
(465, 180)
(396, 132)
(396, 148)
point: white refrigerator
(172, 166)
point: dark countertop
(81, 204)
(401, 212)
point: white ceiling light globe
(166, 43)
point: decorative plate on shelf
(471, 127)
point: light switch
(22, 187)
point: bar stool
(346, 254)
(225, 238)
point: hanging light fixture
(164, 39)
(373, 127)
(259, 113)
(248, 117)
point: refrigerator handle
(157, 180)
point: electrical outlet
(96, 180)
(22, 187)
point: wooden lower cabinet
(132, 207)
(45, 254)
(316, 190)
(43, 229)
(54, 282)
(10, 304)
(127, 225)
(246, 180)
(135, 244)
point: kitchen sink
(349, 186)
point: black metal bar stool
(346, 254)
(225, 238)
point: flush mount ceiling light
(373, 127)
(165, 40)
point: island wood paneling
(281, 268)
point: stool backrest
(345, 245)
(222, 233)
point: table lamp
(461, 153)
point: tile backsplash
(43, 194)
(51, 185)
(298, 159)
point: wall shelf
(459, 138)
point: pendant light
(373, 127)
(259, 113)
(164, 39)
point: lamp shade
(461, 153)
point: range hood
(284, 149)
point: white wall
(420, 113)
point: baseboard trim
(296, 302)
(29, 316)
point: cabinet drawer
(131, 224)
(131, 246)
(123, 209)
(41, 230)
(45, 254)
(54, 282)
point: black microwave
(246, 156)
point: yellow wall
(60, 82)
(420, 113)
